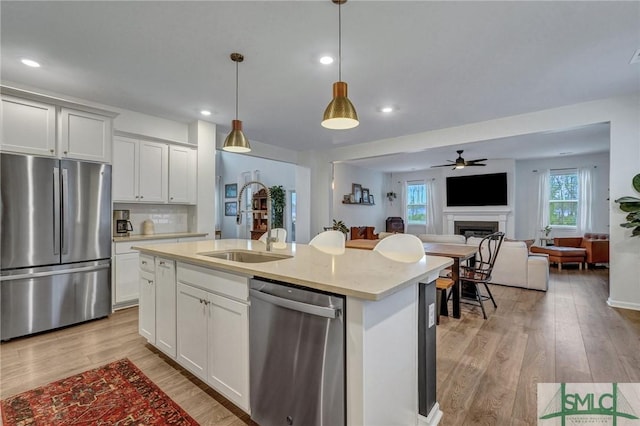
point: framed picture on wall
(365, 195)
(231, 190)
(356, 190)
(230, 208)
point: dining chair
(401, 248)
(331, 242)
(479, 273)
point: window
(563, 197)
(416, 203)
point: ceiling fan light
(236, 141)
(340, 114)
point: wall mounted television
(477, 190)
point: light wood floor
(487, 370)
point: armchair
(596, 246)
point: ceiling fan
(461, 163)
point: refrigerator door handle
(65, 212)
(56, 210)
(54, 272)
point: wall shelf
(359, 204)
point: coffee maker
(121, 224)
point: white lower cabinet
(147, 307)
(213, 329)
(125, 276)
(228, 361)
(192, 329)
(165, 306)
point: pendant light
(236, 141)
(340, 114)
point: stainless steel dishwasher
(297, 356)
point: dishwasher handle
(294, 305)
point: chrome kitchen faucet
(240, 211)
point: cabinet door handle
(150, 282)
(51, 151)
(171, 198)
(65, 153)
(141, 197)
(144, 262)
(161, 262)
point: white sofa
(516, 267)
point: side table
(546, 241)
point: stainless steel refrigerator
(55, 242)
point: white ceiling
(564, 142)
(441, 64)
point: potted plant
(277, 206)
(339, 225)
(631, 205)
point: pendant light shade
(236, 141)
(340, 113)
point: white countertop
(363, 274)
(140, 237)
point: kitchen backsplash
(167, 218)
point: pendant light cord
(236, 90)
(340, 41)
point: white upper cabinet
(183, 166)
(124, 173)
(140, 171)
(28, 127)
(85, 136)
(154, 172)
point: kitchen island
(382, 318)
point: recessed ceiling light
(326, 60)
(30, 63)
(386, 109)
(205, 112)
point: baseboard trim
(434, 417)
(624, 305)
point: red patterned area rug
(114, 394)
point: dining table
(458, 252)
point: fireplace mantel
(500, 214)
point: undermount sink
(246, 256)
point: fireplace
(475, 228)
(480, 216)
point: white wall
(396, 207)
(321, 174)
(344, 175)
(623, 114)
(148, 125)
(439, 178)
(230, 168)
(303, 204)
(203, 134)
(263, 150)
(527, 196)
